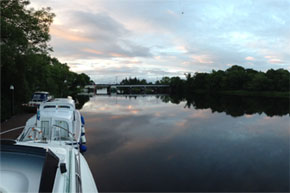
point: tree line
(134, 81)
(238, 78)
(235, 78)
(25, 60)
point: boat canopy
(33, 169)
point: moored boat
(38, 98)
(46, 157)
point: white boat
(46, 157)
(38, 98)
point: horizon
(111, 40)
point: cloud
(275, 61)
(94, 35)
(203, 59)
(108, 74)
(250, 58)
(145, 37)
(71, 35)
(92, 51)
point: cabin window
(45, 128)
(49, 106)
(63, 106)
(39, 97)
(62, 129)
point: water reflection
(144, 144)
(233, 105)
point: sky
(113, 39)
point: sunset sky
(113, 39)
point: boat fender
(83, 139)
(83, 129)
(83, 148)
(82, 120)
(62, 168)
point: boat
(47, 155)
(38, 98)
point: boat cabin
(55, 120)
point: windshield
(62, 130)
(59, 131)
(39, 97)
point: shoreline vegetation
(235, 80)
(25, 58)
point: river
(158, 143)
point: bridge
(127, 86)
(117, 87)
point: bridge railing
(126, 86)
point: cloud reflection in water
(165, 147)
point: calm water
(145, 144)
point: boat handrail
(35, 129)
(13, 129)
(73, 135)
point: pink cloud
(117, 55)
(275, 61)
(250, 58)
(68, 35)
(203, 59)
(93, 51)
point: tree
(200, 81)
(24, 33)
(24, 30)
(235, 78)
(279, 79)
(25, 62)
(165, 80)
(177, 85)
(216, 80)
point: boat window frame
(50, 120)
(46, 130)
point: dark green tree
(25, 62)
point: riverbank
(15, 121)
(271, 94)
